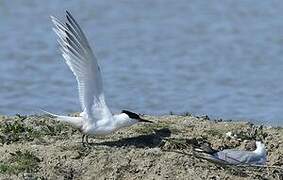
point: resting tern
(233, 156)
(96, 119)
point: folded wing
(240, 157)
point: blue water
(219, 58)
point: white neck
(260, 148)
(122, 120)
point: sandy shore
(38, 147)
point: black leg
(83, 138)
(85, 141)
(86, 138)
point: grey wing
(238, 157)
(83, 63)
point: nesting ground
(37, 147)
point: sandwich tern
(96, 118)
(233, 156)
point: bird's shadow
(151, 140)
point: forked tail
(75, 121)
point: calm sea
(221, 58)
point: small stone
(28, 176)
(271, 146)
(250, 146)
(269, 138)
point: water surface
(223, 58)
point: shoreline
(37, 146)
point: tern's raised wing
(83, 63)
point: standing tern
(96, 119)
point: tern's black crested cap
(135, 116)
(131, 115)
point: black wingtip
(204, 148)
(68, 15)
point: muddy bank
(37, 147)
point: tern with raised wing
(96, 118)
